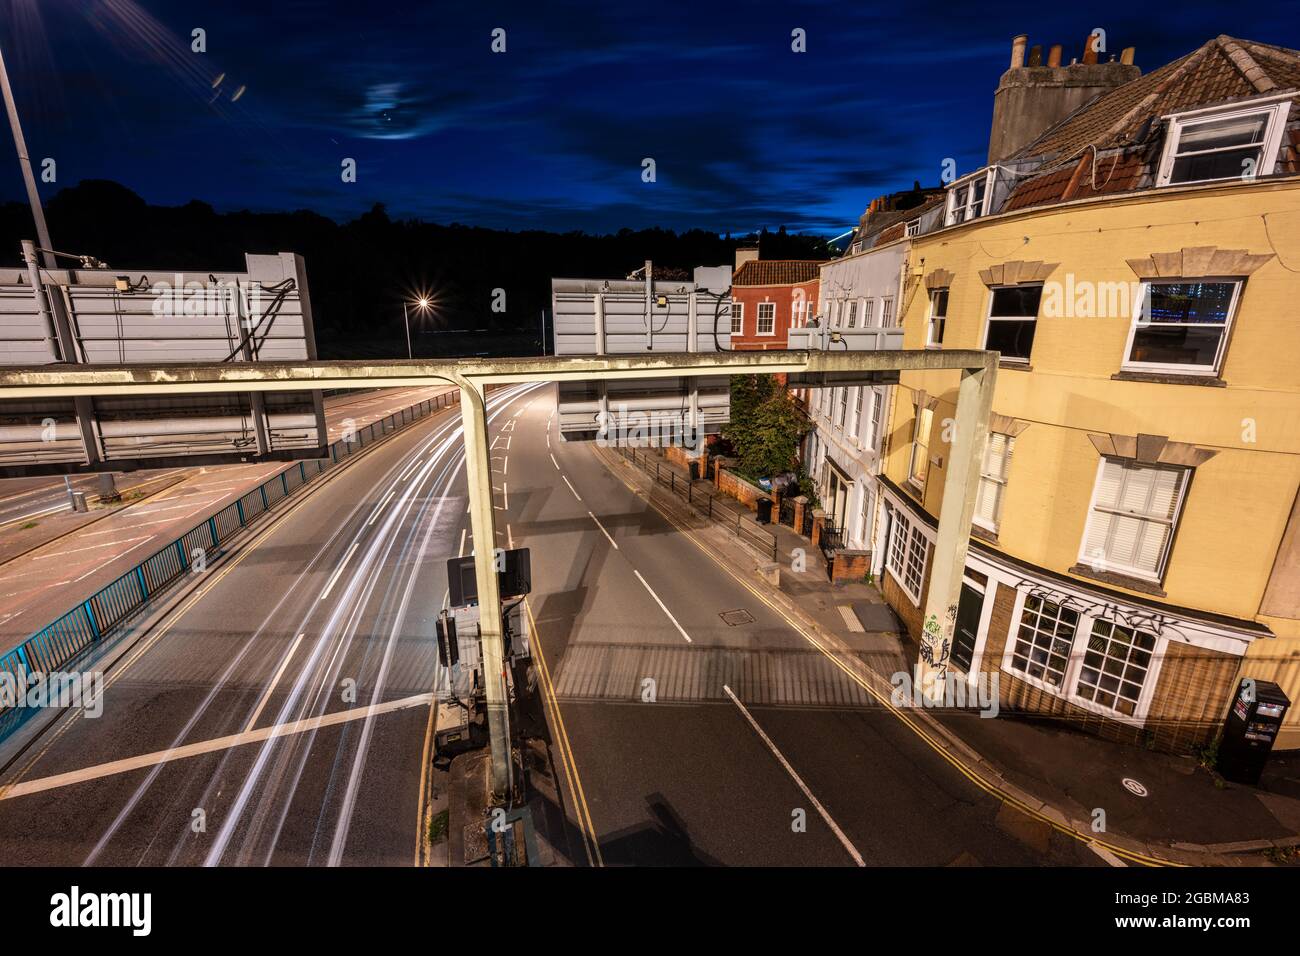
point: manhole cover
(737, 617)
(1134, 786)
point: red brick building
(769, 297)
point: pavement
(1162, 804)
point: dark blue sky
(552, 133)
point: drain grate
(737, 617)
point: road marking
(329, 585)
(214, 745)
(554, 462)
(571, 488)
(607, 534)
(402, 476)
(380, 506)
(261, 704)
(460, 552)
(839, 834)
(505, 494)
(580, 808)
(883, 699)
(661, 604)
(1110, 858)
(850, 619)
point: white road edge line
(853, 851)
(554, 462)
(661, 604)
(608, 535)
(571, 488)
(261, 704)
(329, 585)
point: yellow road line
(581, 810)
(888, 704)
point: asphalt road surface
(281, 716)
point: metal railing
(87, 624)
(700, 498)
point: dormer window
(968, 197)
(1238, 142)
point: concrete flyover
(815, 368)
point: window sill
(984, 534)
(916, 489)
(1018, 366)
(1119, 580)
(1169, 378)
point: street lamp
(422, 303)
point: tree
(765, 427)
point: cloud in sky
(552, 133)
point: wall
(790, 311)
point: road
(281, 716)
(321, 629)
(44, 583)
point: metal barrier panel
(227, 521)
(196, 539)
(253, 505)
(113, 603)
(162, 569)
(274, 491)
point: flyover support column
(482, 520)
(961, 485)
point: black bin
(694, 466)
(764, 510)
(1251, 729)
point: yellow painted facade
(1238, 502)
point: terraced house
(1136, 262)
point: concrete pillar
(482, 520)
(961, 484)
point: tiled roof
(1221, 70)
(776, 271)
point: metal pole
(407, 320)
(33, 197)
(482, 520)
(960, 487)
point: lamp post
(422, 304)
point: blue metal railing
(73, 634)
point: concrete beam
(64, 381)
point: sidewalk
(1188, 814)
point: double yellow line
(583, 813)
(887, 703)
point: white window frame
(919, 483)
(1088, 560)
(887, 319)
(969, 210)
(930, 317)
(856, 426)
(1074, 664)
(985, 476)
(841, 407)
(868, 312)
(877, 417)
(913, 228)
(1277, 113)
(737, 318)
(907, 550)
(990, 318)
(851, 321)
(1139, 310)
(758, 319)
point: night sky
(550, 134)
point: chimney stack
(1032, 98)
(1018, 50)
(745, 254)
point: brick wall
(910, 614)
(732, 484)
(850, 566)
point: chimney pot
(1090, 49)
(1054, 56)
(1036, 55)
(1126, 55)
(1018, 50)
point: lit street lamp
(422, 304)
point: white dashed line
(607, 534)
(662, 606)
(571, 488)
(337, 571)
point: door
(967, 629)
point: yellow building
(1137, 540)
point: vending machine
(1252, 726)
